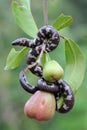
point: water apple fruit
(52, 71)
(41, 106)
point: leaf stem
(45, 12)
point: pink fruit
(40, 106)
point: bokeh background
(12, 96)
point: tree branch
(45, 12)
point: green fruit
(52, 71)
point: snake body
(48, 36)
(66, 92)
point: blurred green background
(12, 96)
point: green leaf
(14, 58)
(62, 21)
(23, 16)
(75, 65)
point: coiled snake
(47, 39)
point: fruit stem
(41, 54)
(29, 67)
(45, 12)
(39, 59)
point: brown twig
(45, 12)
(41, 54)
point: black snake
(48, 36)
